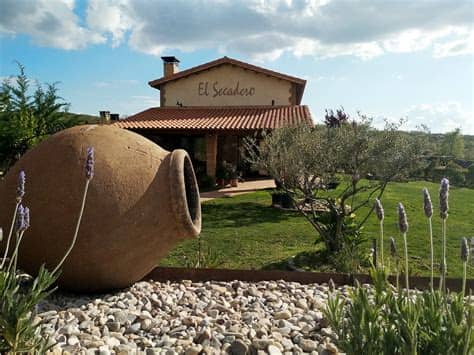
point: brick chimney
(170, 66)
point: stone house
(210, 108)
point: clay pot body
(141, 202)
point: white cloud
(51, 23)
(455, 47)
(115, 83)
(263, 30)
(440, 117)
(111, 17)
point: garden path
(243, 188)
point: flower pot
(142, 201)
(234, 182)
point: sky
(388, 59)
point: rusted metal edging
(172, 274)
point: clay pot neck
(184, 194)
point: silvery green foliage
(379, 211)
(306, 160)
(384, 321)
(381, 320)
(19, 333)
(393, 248)
(464, 250)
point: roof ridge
(223, 60)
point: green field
(245, 232)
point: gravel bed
(268, 317)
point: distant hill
(81, 118)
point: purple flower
(379, 209)
(443, 198)
(20, 218)
(90, 163)
(402, 218)
(427, 205)
(20, 190)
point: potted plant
(227, 172)
(220, 175)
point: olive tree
(307, 162)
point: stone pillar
(211, 155)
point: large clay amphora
(142, 201)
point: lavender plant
(428, 208)
(379, 212)
(19, 333)
(381, 320)
(20, 192)
(394, 255)
(443, 212)
(464, 258)
(403, 226)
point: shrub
(309, 161)
(384, 320)
(455, 174)
(28, 116)
(206, 182)
(470, 176)
(19, 333)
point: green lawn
(245, 232)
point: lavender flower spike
(393, 247)
(443, 198)
(402, 218)
(20, 190)
(90, 163)
(379, 209)
(27, 218)
(20, 218)
(427, 205)
(464, 250)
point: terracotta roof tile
(218, 118)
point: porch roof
(218, 118)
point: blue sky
(387, 59)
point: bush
(455, 174)
(206, 182)
(309, 161)
(19, 333)
(384, 320)
(470, 176)
(27, 117)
